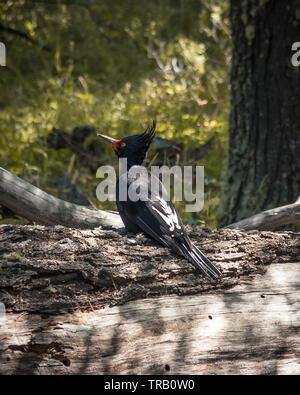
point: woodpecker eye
(123, 144)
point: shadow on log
(94, 301)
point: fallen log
(94, 301)
(251, 329)
(37, 206)
(270, 219)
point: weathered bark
(58, 286)
(264, 148)
(38, 206)
(250, 329)
(270, 219)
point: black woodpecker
(153, 213)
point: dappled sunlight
(162, 65)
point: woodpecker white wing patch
(168, 215)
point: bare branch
(23, 35)
(270, 219)
(38, 206)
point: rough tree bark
(263, 167)
(94, 301)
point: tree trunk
(263, 168)
(94, 301)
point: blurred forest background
(113, 66)
(75, 68)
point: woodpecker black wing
(157, 217)
(160, 220)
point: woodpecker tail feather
(200, 261)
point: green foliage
(115, 65)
